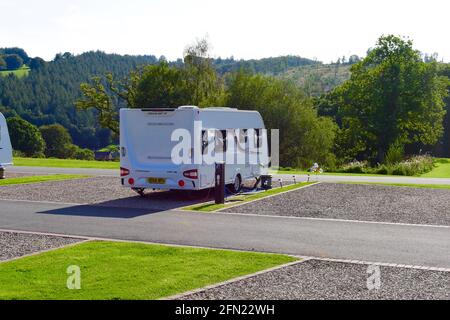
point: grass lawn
(411, 185)
(37, 179)
(117, 270)
(442, 169)
(66, 163)
(241, 199)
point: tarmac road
(376, 242)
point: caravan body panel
(5, 144)
(147, 146)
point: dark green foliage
(47, 94)
(26, 137)
(16, 51)
(37, 63)
(162, 86)
(59, 144)
(305, 137)
(443, 147)
(271, 66)
(13, 61)
(57, 140)
(2, 64)
(392, 96)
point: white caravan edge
(5, 144)
(146, 147)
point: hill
(318, 78)
(45, 92)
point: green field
(241, 199)
(117, 270)
(65, 163)
(37, 179)
(19, 73)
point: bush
(354, 167)
(25, 137)
(58, 141)
(83, 154)
(414, 166)
(395, 153)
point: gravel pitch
(320, 280)
(13, 245)
(101, 191)
(358, 202)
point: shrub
(83, 154)
(395, 153)
(411, 167)
(25, 137)
(354, 167)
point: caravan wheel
(237, 184)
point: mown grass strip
(120, 270)
(241, 199)
(65, 163)
(409, 185)
(38, 179)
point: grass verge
(37, 179)
(410, 185)
(241, 199)
(65, 163)
(118, 270)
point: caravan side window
(243, 136)
(205, 142)
(258, 138)
(220, 141)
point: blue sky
(322, 29)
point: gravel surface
(13, 245)
(358, 202)
(101, 191)
(321, 280)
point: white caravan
(178, 148)
(5, 144)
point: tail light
(124, 172)
(191, 174)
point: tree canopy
(25, 137)
(392, 97)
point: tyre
(236, 186)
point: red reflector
(124, 172)
(131, 181)
(181, 183)
(191, 174)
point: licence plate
(156, 180)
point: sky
(320, 29)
